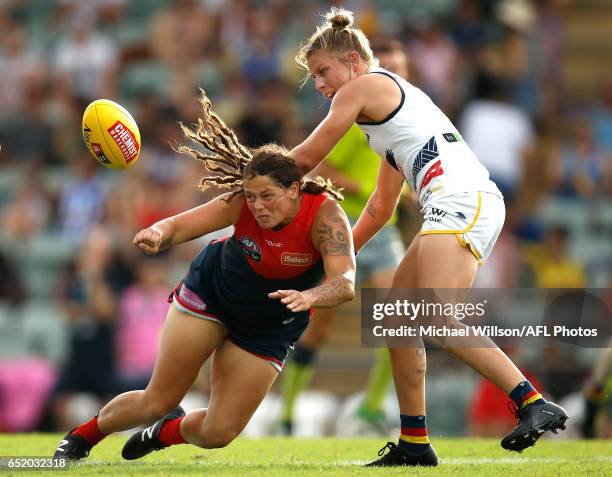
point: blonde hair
(234, 163)
(338, 36)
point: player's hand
(293, 299)
(149, 241)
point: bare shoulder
(232, 206)
(331, 231)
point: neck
(296, 205)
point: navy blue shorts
(255, 323)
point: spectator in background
(88, 295)
(181, 33)
(601, 116)
(81, 202)
(499, 133)
(28, 213)
(436, 63)
(86, 61)
(142, 312)
(550, 264)
(270, 113)
(261, 54)
(12, 289)
(21, 67)
(584, 168)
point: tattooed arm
(331, 235)
(380, 206)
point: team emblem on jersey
(250, 247)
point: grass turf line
(272, 457)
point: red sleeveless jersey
(285, 253)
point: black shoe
(146, 441)
(534, 420)
(397, 457)
(72, 447)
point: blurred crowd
(81, 309)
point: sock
(525, 394)
(90, 431)
(378, 384)
(297, 376)
(170, 433)
(414, 439)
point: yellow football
(111, 134)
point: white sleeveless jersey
(420, 142)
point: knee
(157, 407)
(219, 437)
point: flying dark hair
(233, 163)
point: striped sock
(524, 394)
(413, 439)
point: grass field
(272, 457)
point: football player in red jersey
(245, 300)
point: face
(396, 62)
(330, 73)
(271, 204)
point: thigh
(319, 328)
(186, 343)
(240, 381)
(444, 263)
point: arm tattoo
(332, 292)
(371, 210)
(332, 234)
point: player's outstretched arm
(331, 235)
(345, 108)
(380, 206)
(210, 217)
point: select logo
(296, 259)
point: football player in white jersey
(463, 215)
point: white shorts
(475, 218)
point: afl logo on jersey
(250, 247)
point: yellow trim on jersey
(415, 439)
(469, 227)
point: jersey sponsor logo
(273, 244)
(126, 141)
(189, 297)
(97, 149)
(436, 215)
(451, 137)
(250, 247)
(296, 259)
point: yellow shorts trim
(457, 231)
(464, 244)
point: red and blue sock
(413, 439)
(524, 394)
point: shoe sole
(520, 441)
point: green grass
(322, 457)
